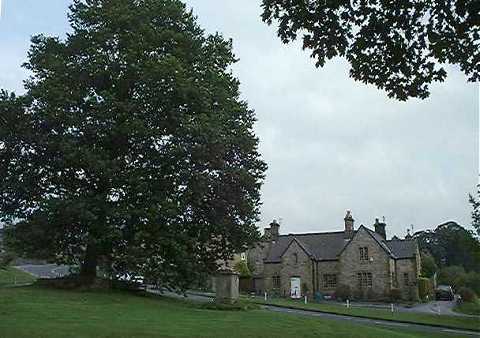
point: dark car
(444, 292)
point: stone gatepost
(226, 285)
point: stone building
(295, 265)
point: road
(46, 270)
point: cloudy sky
(331, 143)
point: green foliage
(242, 268)
(131, 146)
(397, 46)
(475, 202)
(451, 244)
(395, 294)
(425, 288)
(343, 292)
(467, 294)
(429, 267)
(452, 275)
(457, 278)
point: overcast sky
(331, 144)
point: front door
(295, 289)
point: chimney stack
(349, 225)
(274, 230)
(380, 228)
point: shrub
(452, 275)
(242, 268)
(425, 288)
(343, 292)
(395, 294)
(467, 294)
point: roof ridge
(313, 233)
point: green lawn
(37, 312)
(12, 276)
(451, 321)
(470, 308)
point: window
(364, 254)
(329, 281)
(405, 278)
(276, 282)
(295, 258)
(365, 279)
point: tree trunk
(88, 269)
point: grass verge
(12, 276)
(50, 313)
(456, 322)
(469, 308)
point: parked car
(444, 292)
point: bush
(452, 275)
(473, 281)
(343, 292)
(467, 294)
(425, 288)
(242, 268)
(395, 294)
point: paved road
(46, 270)
(365, 321)
(443, 307)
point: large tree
(131, 146)
(451, 244)
(397, 46)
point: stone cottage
(295, 265)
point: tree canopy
(451, 244)
(131, 147)
(398, 46)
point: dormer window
(364, 254)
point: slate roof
(328, 245)
(402, 248)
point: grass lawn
(12, 276)
(470, 308)
(38, 312)
(451, 321)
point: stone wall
(407, 267)
(255, 258)
(299, 267)
(378, 265)
(326, 267)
